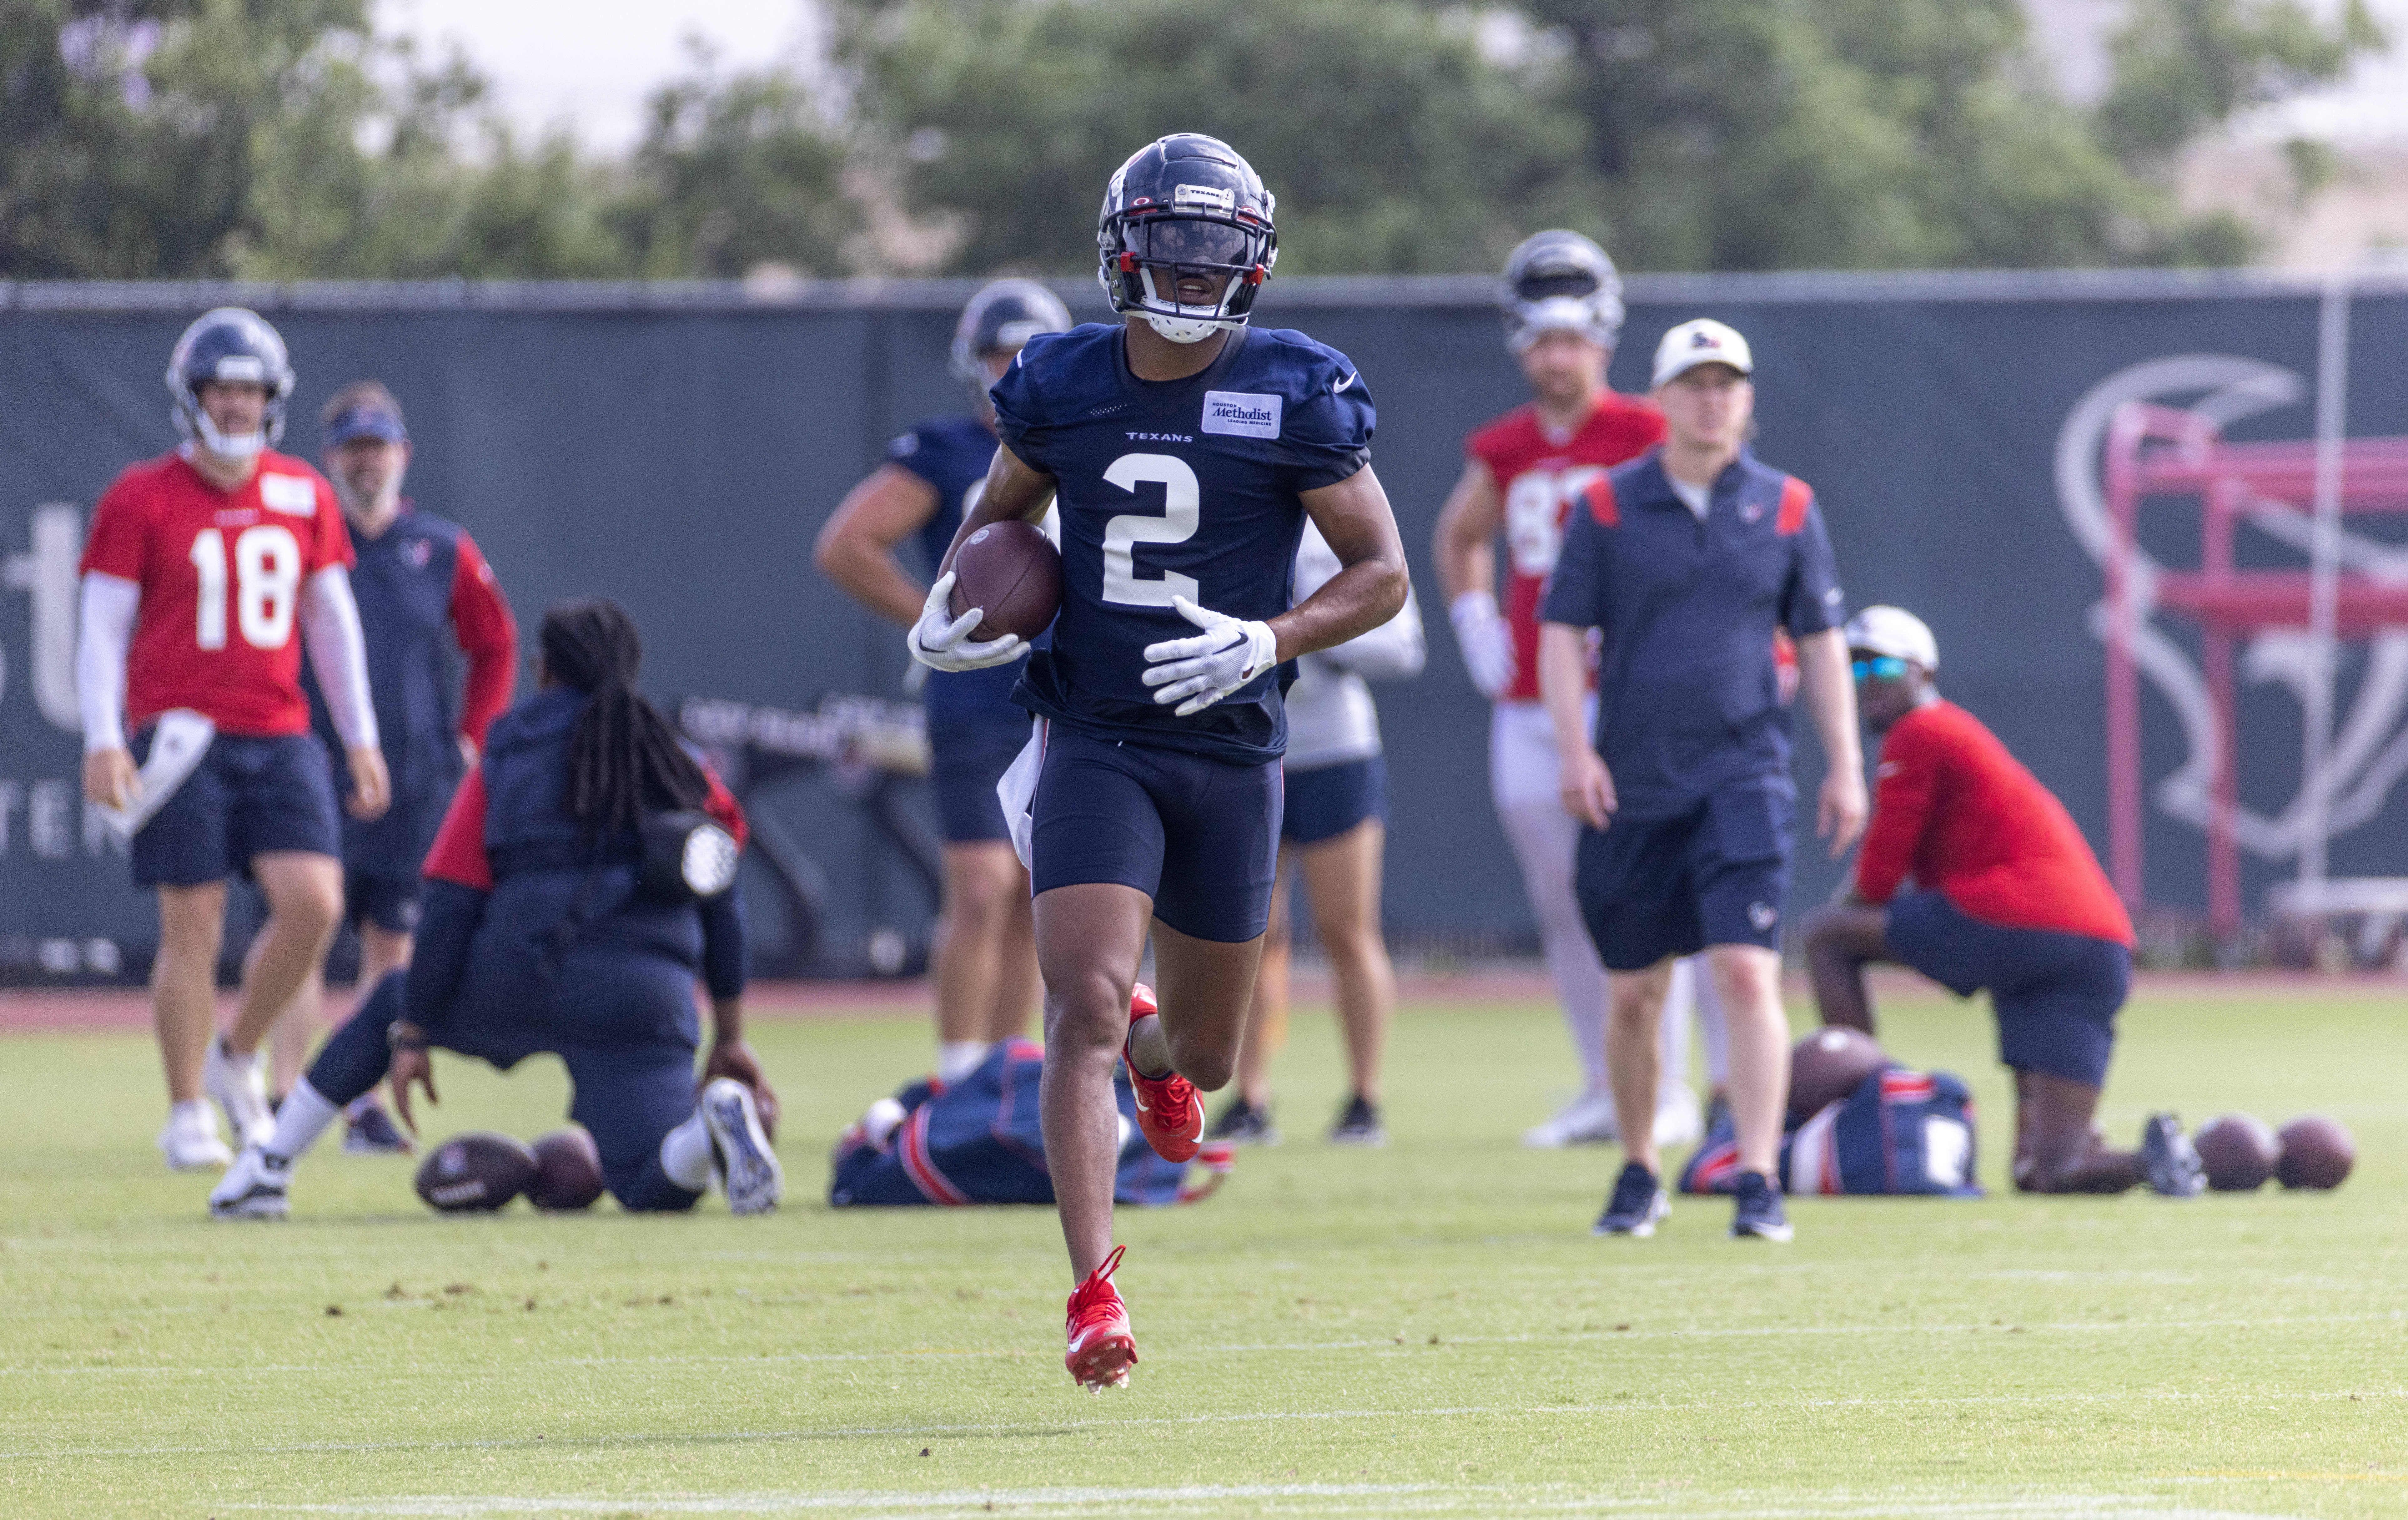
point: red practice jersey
(1954, 809)
(1537, 478)
(221, 571)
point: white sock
(302, 1117)
(686, 1154)
(958, 1058)
(194, 1111)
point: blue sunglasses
(1881, 668)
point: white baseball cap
(1703, 341)
(1896, 632)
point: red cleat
(1102, 1350)
(1169, 1109)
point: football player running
(1186, 452)
(986, 956)
(207, 571)
(1563, 312)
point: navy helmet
(1004, 314)
(230, 343)
(1560, 281)
(1185, 204)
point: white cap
(1896, 632)
(1703, 341)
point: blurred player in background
(582, 881)
(206, 570)
(1563, 312)
(1688, 560)
(1186, 453)
(2007, 895)
(985, 954)
(415, 576)
(1334, 828)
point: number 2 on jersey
(1181, 511)
(266, 576)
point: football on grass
(1013, 572)
(567, 1170)
(2239, 1152)
(1828, 1065)
(476, 1171)
(2317, 1153)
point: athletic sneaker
(1169, 1109)
(190, 1140)
(1242, 1124)
(253, 1187)
(1759, 1214)
(1587, 1120)
(1638, 1201)
(238, 1085)
(2169, 1160)
(368, 1130)
(1102, 1350)
(1358, 1124)
(1679, 1121)
(741, 1162)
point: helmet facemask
(1159, 249)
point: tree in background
(283, 139)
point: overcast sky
(588, 62)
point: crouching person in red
(2007, 896)
(581, 883)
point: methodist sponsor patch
(294, 495)
(1242, 413)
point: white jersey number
(266, 576)
(1181, 511)
(1534, 514)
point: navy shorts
(1200, 837)
(388, 902)
(246, 797)
(970, 758)
(1328, 800)
(2056, 995)
(1650, 888)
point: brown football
(567, 1170)
(1012, 570)
(2317, 1153)
(2239, 1152)
(475, 1172)
(1828, 1065)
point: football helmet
(1004, 314)
(230, 343)
(1186, 204)
(1560, 281)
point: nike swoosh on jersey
(1343, 385)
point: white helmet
(1896, 632)
(1560, 281)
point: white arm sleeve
(338, 653)
(109, 603)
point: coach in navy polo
(1691, 560)
(422, 585)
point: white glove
(1199, 671)
(1486, 640)
(942, 642)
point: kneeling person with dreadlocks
(565, 914)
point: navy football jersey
(951, 455)
(1188, 488)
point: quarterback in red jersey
(2007, 895)
(206, 573)
(1563, 312)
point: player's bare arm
(1563, 685)
(938, 638)
(1014, 490)
(856, 547)
(1831, 695)
(1465, 541)
(1369, 589)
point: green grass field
(1425, 1330)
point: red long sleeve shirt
(1953, 808)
